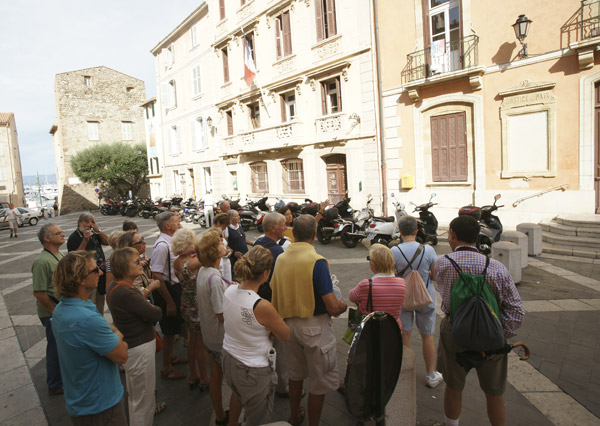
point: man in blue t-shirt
(88, 348)
(424, 263)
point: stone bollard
(534, 237)
(519, 239)
(509, 254)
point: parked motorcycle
(333, 221)
(384, 229)
(490, 226)
(353, 229)
(427, 224)
(263, 209)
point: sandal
(160, 407)
(172, 374)
(193, 383)
(177, 360)
(223, 422)
(300, 418)
(203, 387)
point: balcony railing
(265, 139)
(583, 25)
(442, 57)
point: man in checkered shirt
(492, 374)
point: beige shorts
(492, 374)
(12, 224)
(311, 353)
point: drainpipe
(380, 110)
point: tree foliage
(115, 168)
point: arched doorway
(337, 183)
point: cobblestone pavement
(560, 384)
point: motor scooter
(384, 229)
(334, 220)
(427, 224)
(353, 230)
(490, 226)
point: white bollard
(534, 237)
(509, 254)
(519, 239)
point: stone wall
(103, 96)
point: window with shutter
(174, 140)
(222, 9)
(93, 133)
(225, 57)
(331, 96)
(229, 116)
(449, 148)
(254, 115)
(325, 19)
(278, 38)
(172, 94)
(259, 177)
(283, 35)
(196, 80)
(126, 131)
(293, 175)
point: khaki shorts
(12, 224)
(254, 387)
(311, 352)
(492, 374)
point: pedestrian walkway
(559, 384)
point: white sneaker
(437, 379)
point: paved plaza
(559, 384)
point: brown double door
(336, 177)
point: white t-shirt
(209, 289)
(12, 214)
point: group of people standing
(258, 317)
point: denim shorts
(425, 316)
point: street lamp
(521, 27)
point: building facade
(93, 106)
(469, 112)
(286, 97)
(11, 175)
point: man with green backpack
(482, 304)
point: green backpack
(474, 312)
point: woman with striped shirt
(387, 289)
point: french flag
(249, 67)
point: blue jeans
(53, 377)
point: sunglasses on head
(141, 241)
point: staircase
(571, 235)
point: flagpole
(256, 83)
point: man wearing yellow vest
(303, 296)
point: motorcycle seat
(385, 218)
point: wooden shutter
(331, 27)
(319, 20)
(426, 24)
(225, 65)
(164, 94)
(324, 97)
(229, 123)
(222, 9)
(338, 94)
(278, 36)
(283, 108)
(287, 34)
(449, 148)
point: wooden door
(597, 145)
(336, 177)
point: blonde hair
(253, 264)
(71, 271)
(183, 239)
(119, 261)
(113, 239)
(207, 247)
(382, 259)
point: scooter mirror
(392, 194)
(497, 197)
(433, 195)
(369, 196)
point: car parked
(29, 216)
(4, 222)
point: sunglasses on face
(141, 241)
(137, 261)
(96, 270)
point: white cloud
(40, 38)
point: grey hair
(223, 202)
(407, 225)
(304, 229)
(231, 213)
(163, 218)
(183, 239)
(84, 216)
(271, 220)
(45, 232)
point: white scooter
(383, 230)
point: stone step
(586, 221)
(570, 229)
(571, 241)
(565, 250)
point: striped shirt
(387, 295)
(498, 277)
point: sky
(42, 38)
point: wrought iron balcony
(265, 139)
(442, 57)
(584, 24)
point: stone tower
(11, 177)
(93, 106)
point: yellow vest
(292, 282)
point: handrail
(562, 188)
